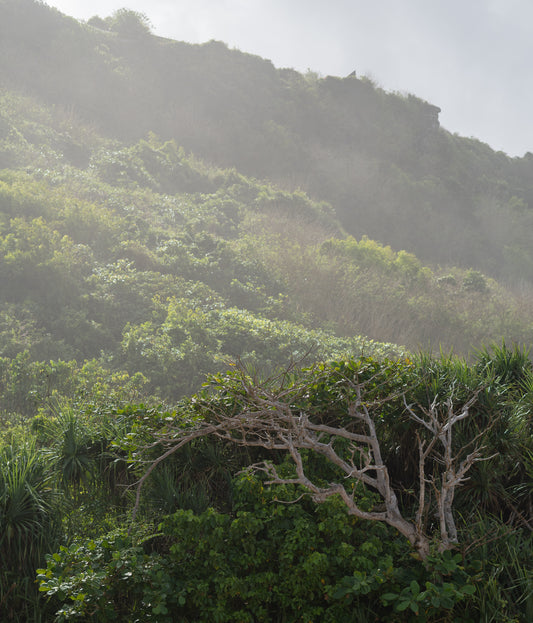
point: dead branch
(265, 417)
(439, 419)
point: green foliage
(502, 569)
(116, 589)
(120, 250)
(366, 252)
(72, 452)
(106, 242)
(509, 366)
(185, 342)
(28, 387)
(266, 553)
(129, 23)
(449, 585)
(412, 185)
(474, 281)
(150, 163)
(29, 526)
(269, 561)
(26, 504)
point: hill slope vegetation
(169, 211)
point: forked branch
(267, 418)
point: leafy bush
(271, 559)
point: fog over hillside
(470, 58)
(349, 208)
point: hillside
(125, 237)
(160, 264)
(234, 268)
(380, 159)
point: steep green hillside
(117, 243)
(146, 258)
(160, 264)
(379, 158)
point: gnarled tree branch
(268, 418)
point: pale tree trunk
(265, 418)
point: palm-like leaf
(26, 504)
(71, 453)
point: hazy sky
(473, 58)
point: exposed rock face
(432, 113)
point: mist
(470, 59)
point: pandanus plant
(28, 525)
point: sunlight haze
(468, 58)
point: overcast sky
(473, 58)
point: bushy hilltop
(379, 158)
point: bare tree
(449, 469)
(265, 415)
